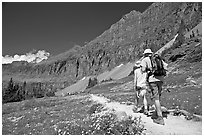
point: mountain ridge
(124, 42)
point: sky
(55, 27)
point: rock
(121, 115)
(191, 81)
(163, 109)
(122, 43)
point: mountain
(123, 42)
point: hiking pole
(167, 90)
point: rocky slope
(122, 43)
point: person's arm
(143, 66)
(135, 78)
(135, 85)
(165, 65)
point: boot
(159, 120)
(146, 112)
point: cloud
(34, 57)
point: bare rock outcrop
(123, 42)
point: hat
(138, 63)
(147, 51)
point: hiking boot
(146, 112)
(159, 120)
(136, 110)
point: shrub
(95, 108)
(92, 82)
(108, 124)
(100, 122)
(50, 93)
(104, 125)
(12, 92)
(107, 80)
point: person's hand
(137, 95)
(134, 86)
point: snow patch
(83, 78)
(119, 65)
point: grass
(188, 98)
(73, 115)
(109, 125)
(43, 116)
(76, 114)
(183, 93)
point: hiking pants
(155, 89)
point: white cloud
(29, 57)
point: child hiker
(140, 86)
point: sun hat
(148, 51)
(138, 63)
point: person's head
(138, 64)
(147, 52)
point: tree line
(15, 92)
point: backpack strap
(150, 69)
(151, 63)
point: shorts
(155, 89)
(141, 90)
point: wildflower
(64, 133)
(98, 128)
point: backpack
(157, 66)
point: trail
(174, 125)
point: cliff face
(123, 42)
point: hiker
(154, 80)
(140, 86)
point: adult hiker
(140, 86)
(155, 79)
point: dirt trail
(174, 125)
